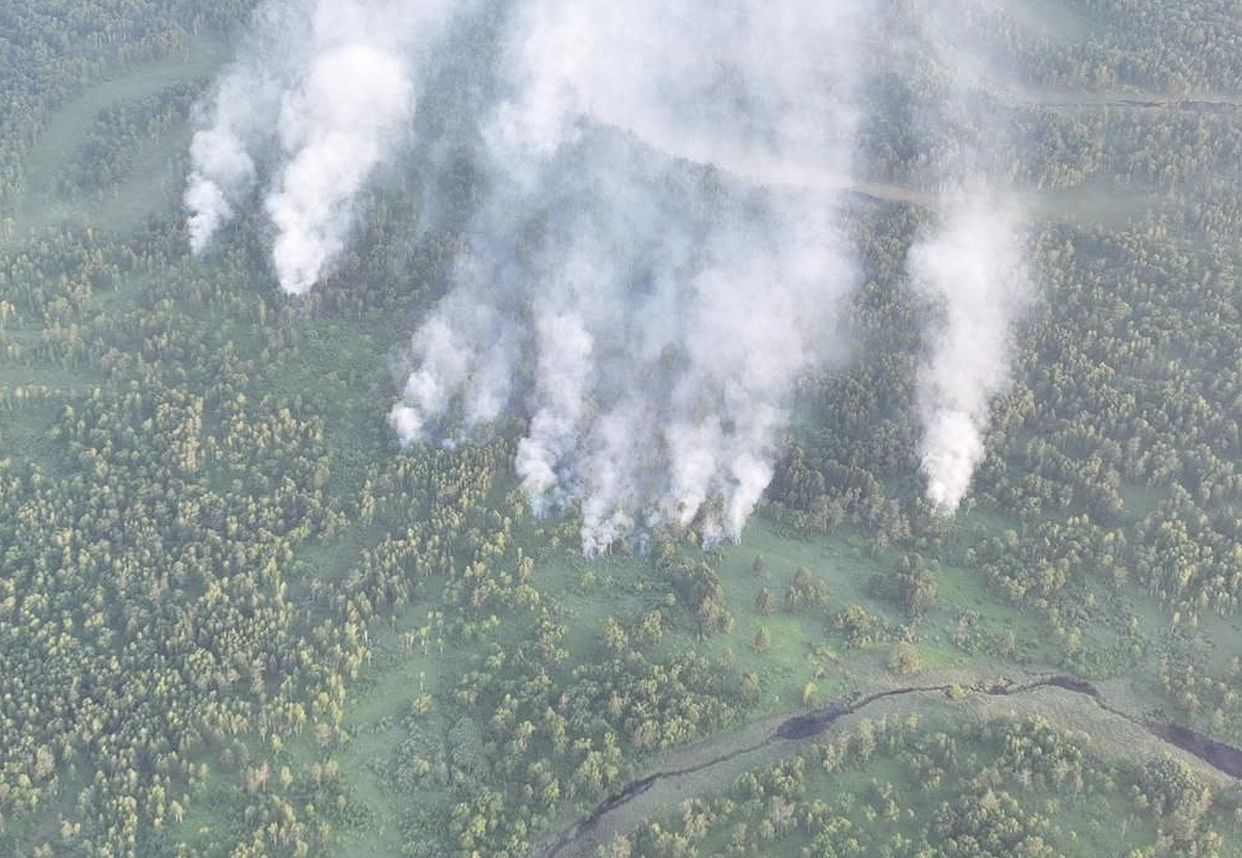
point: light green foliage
(904, 660)
(1175, 792)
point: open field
(152, 190)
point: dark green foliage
(698, 587)
(859, 628)
(806, 592)
(765, 602)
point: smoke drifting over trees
(667, 313)
(972, 267)
(322, 94)
(646, 277)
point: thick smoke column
(973, 266)
(648, 315)
(322, 94)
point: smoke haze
(660, 253)
(971, 265)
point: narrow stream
(1226, 758)
(799, 728)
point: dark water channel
(1226, 758)
(799, 728)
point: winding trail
(963, 64)
(802, 728)
(773, 170)
(781, 171)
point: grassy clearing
(24, 435)
(1051, 19)
(207, 818)
(1141, 501)
(376, 717)
(64, 131)
(39, 206)
(803, 647)
(154, 188)
(963, 592)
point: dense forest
(238, 619)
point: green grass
(39, 206)
(803, 647)
(206, 818)
(1141, 501)
(375, 716)
(843, 560)
(964, 591)
(24, 434)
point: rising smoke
(660, 254)
(667, 310)
(972, 265)
(325, 92)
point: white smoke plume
(972, 263)
(973, 266)
(649, 316)
(323, 93)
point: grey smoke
(667, 311)
(322, 94)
